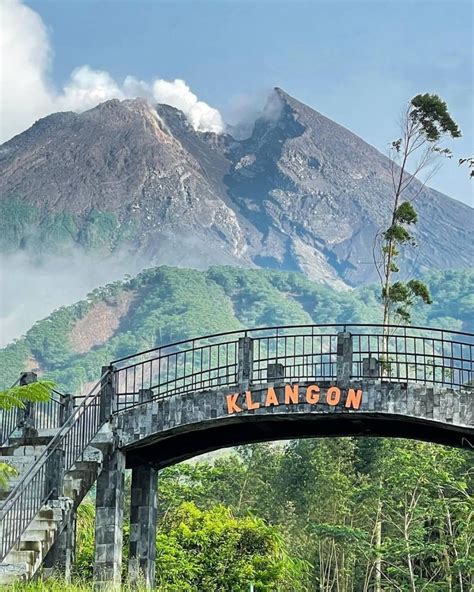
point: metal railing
(306, 352)
(34, 489)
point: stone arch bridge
(167, 404)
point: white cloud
(26, 95)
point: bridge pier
(109, 522)
(143, 516)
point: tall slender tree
(426, 122)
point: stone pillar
(370, 368)
(275, 372)
(61, 557)
(145, 395)
(107, 394)
(26, 416)
(143, 516)
(67, 407)
(109, 522)
(54, 474)
(245, 362)
(344, 359)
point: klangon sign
(292, 394)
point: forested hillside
(164, 304)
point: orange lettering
(291, 394)
(354, 398)
(271, 399)
(333, 396)
(312, 394)
(232, 406)
(250, 404)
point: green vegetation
(25, 227)
(304, 516)
(170, 304)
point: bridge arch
(297, 381)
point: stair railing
(40, 484)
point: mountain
(164, 304)
(301, 193)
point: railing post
(54, 474)
(344, 359)
(107, 393)
(245, 362)
(66, 409)
(275, 372)
(145, 395)
(26, 416)
(370, 368)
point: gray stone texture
(143, 516)
(109, 521)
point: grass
(57, 584)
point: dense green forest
(169, 304)
(335, 515)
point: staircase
(56, 467)
(28, 554)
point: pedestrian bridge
(167, 404)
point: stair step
(36, 534)
(36, 546)
(10, 573)
(42, 524)
(32, 451)
(17, 461)
(27, 558)
(31, 442)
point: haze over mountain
(301, 193)
(165, 304)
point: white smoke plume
(26, 94)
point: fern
(36, 392)
(6, 473)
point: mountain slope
(165, 304)
(302, 193)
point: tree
(470, 165)
(425, 124)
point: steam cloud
(26, 95)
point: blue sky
(356, 62)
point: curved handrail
(307, 352)
(246, 332)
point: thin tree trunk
(409, 558)
(378, 545)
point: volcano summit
(301, 193)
